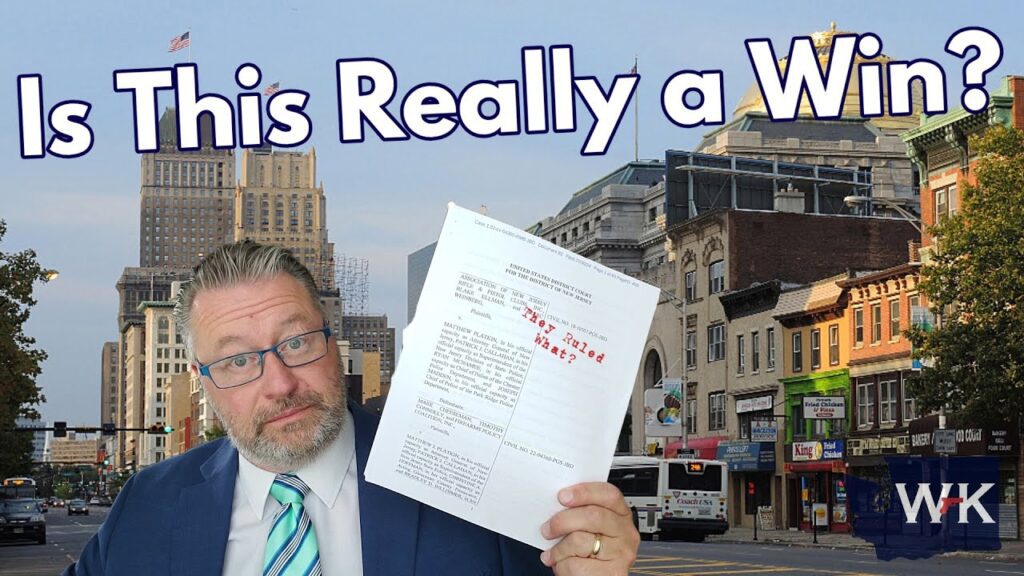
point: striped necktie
(291, 546)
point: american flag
(272, 89)
(179, 42)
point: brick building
(940, 148)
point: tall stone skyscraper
(278, 202)
(186, 198)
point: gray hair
(234, 264)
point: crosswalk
(682, 566)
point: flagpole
(636, 117)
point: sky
(384, 199)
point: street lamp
(51, 274)
(870, 202)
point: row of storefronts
(788, 480)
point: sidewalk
(1010, 551)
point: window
(716, 277)
(691, 349)
(833, 344)
(858, 326)
(865, 404)
(716, 410)
(755, 351)
(691, 285)
(652, 214)
(799, 423)
(691, 415)
(887, 401)
(894, 319)
(953, 200)
(909, 406)
(798, 353)
(941, 206)
(716, 342)
(876, 323)
(815, 348)
(741, 355)
(914, 302)
(770, 334)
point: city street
(65, 537)
(706, 559)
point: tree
(976, 279)
(63, 490)
(215, 431)
(20, 362)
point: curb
(1002, 557)
(965, 554)
(795, 544)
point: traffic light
(751, 490)
(159, 428)
(60, 429)
(108, 428)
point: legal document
(514, 377)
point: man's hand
(596, 518)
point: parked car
(95, 501)
(106, 501)
(78, 507)
(22, 519)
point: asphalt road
(67, 535)
(680, 558)
(65, 538)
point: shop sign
(881, 444)
(1001, 442)
(763, 431)
(747, 456)
(970, 441)
(824, 407)
(754, 404)
(812, 451)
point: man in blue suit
(286, 495)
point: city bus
(18, 487)
(684, 498)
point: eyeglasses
(293, 352)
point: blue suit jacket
(173, 518)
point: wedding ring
(597, 546)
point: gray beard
(265, 453)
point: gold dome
(753, 102)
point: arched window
(652, 369)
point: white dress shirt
(332, 505)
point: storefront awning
(816, 466)
(705, 448)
